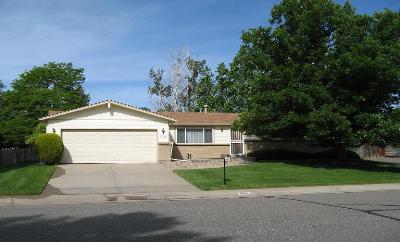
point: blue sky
(117, 42)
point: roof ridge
(199, 112)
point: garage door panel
(109, 146)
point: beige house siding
(172, 134)
(200, 151)
(164, 152)
(222, 134)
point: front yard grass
(24, 179)
(267, 174)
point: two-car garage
(109, 146)
(110, 132)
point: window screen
(194, 136)
(207, 136)
(181, 136)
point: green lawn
(292, 173)
(24, 179)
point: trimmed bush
(49, 148)
(280, 154)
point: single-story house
(113, 132)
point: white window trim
(185, 128)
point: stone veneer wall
(211, 151)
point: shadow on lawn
(6, 168)
(362, 165)
(138, 226)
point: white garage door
(109, 146)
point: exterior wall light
(54, 130)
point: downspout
(171, 145)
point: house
(113, 132)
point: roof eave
(201, 124)
(105, 102)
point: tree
(187, 78)
(2, 86)
(205, 93)
(145, 109)
(319, 72)
(57, 86)
(160, 93)
(40, 128)
(203, 83)
(229, 94)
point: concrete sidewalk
(221, 194)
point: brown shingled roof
(52, 112)
(197, 118)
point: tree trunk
(341, 153)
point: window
(207, 136)
(181, 136)
(194, 136)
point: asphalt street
(367, 216)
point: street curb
(181, 196)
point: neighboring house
(113, 132)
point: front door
(237, 143)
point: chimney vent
(205, 108)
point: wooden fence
(17, 155)
(369, 151)
(391, 151)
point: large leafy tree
(321, 72)
(205, 91)
(57, 86)
(2, 86)
(229, 89)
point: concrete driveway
(115, 179)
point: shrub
(281, 154)
(49, 148)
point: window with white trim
(194, 136)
